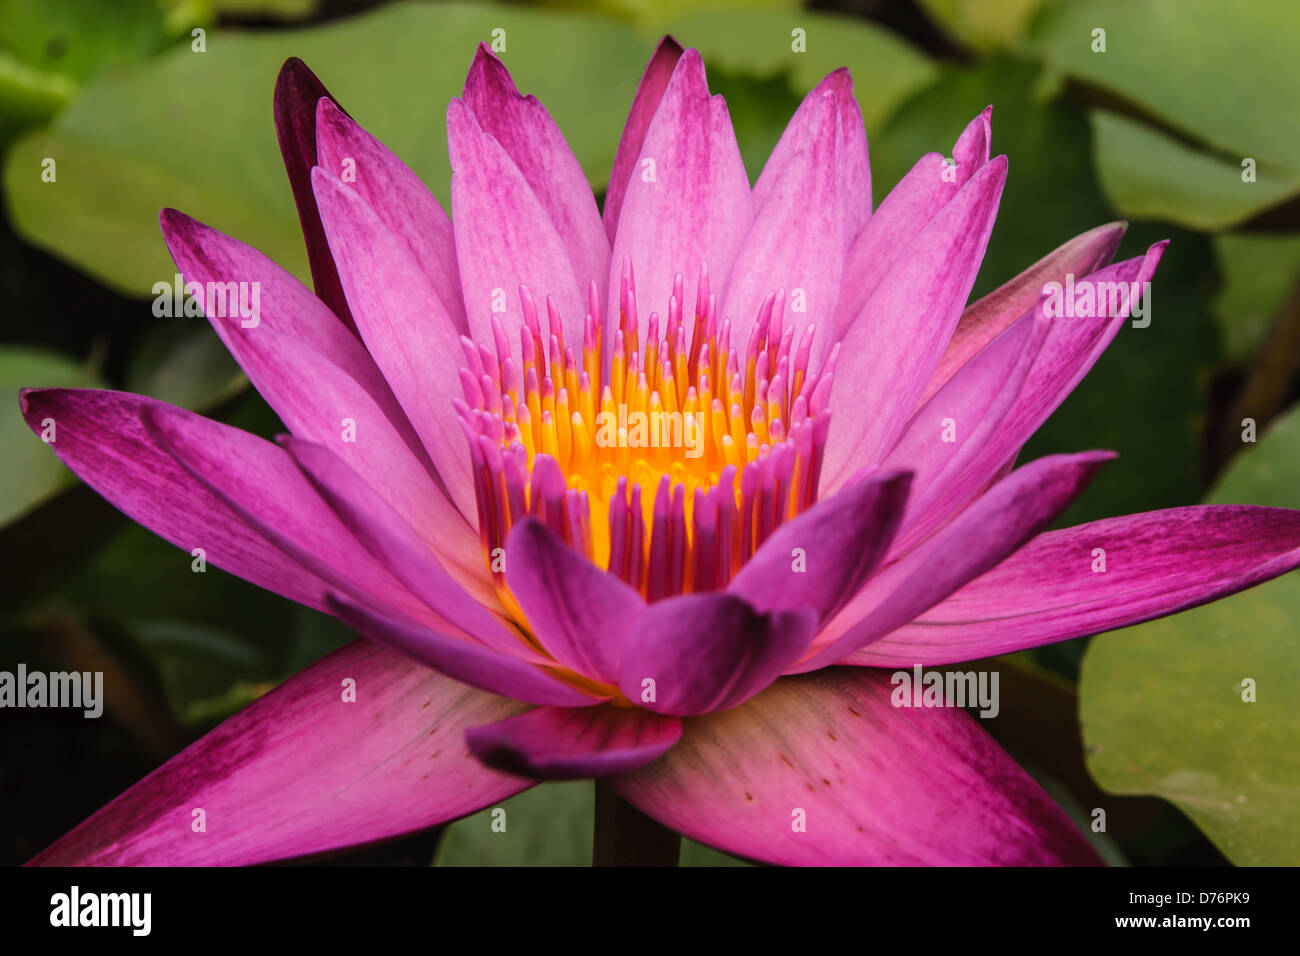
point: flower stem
(625, 836)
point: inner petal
(667, 463)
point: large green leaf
(1259, 272)
(1162, 703)
(983, 24)
(194, 131)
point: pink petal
(301, 772)
(649, 93)
(100, 436)
(840, 541)
(297, 91)
(871, 784)
(466, 661)
(538, 149)
(696, 210)
(903, 214)
(704, 652)
(893, 346)
(505, 237)
(403, 203)
(396, 546)
(578, 612)
(984, 320)
(404, 324)
(995, 526)
(852, 152)
(1156, 563)
(799, 234)
(556, 743)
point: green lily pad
(983, 24)
(1162, 703)
(1259, 272)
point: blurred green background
(1156, 128)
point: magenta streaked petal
(100, 436)
(561, 743)
(852, 152)
(995, 526)
(403, 322)
(953, 427)
(505, 237)
(1156, 563)
(909, 207)
(892, 348)
(259, 482)
(466, 661)
(525, 130)
(839, 541)
(690, 205)
(872, 784)
(577, 611)
(707, 652)
(649, 92)
(984, 320)
(397, 547)
(302, 772)
(297, 91)
(401, 201)
(789, 246)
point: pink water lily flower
(703, 612)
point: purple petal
(695, 208)
(841, 539)
(649, 93)
(799, 233)
(466, 661)
(401, 201)
(538, 149)
(297, 91)
(556, 743)
(870, 783)
(578, 612)
(301, 772)
(893, 346)
(100, 436)
(1156, 563)
(404, 324)
(705, 652)
(995, 526)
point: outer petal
(853, 152)
(1000, 522)
(799, 233)
(1157, 563)
(843, 540)
(578, 612)
(649, 93)
(297, 91)
(504, 237)
(466, 661)
(893, 346)
(397, 547)
(301, 771)
(707, 652)
(557, 743)
(696, 208)
(873, 784)
(398, 198)
(535, 144)
(904, 213)
(986, 319)
(404, 324)
(101, 437)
